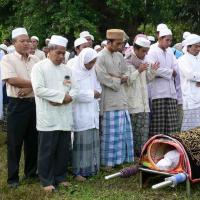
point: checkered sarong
(140, 125)
(116, 138)
(164, 118)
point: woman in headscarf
(86, 147)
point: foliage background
(69, 17)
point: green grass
(95, 188)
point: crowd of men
(56, 101)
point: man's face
(57, 55)
(89, 65)
(31, 49)
(34, 42)
(81, 47)
(165, 42)
(141, 52)
(116, 45)
(194, 49)
(90, 42)
(21, 44)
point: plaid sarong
(191, 119)
(86, 153)
(116, 138)
(140, 125)
(164, 118)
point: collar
(21, 57)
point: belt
(30, 99)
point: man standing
(79, 45)
(16, 69)
(189, 66)
(54, 91)
(162, 88)
(116, 138)
(140, 72)
(40, 54)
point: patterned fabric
(140, 125)
(86, 152)
(180, 116)
(164, 119)
(190, 140)
(116, 138)
(191, 119)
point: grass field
(95, 188)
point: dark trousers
(53, 151)
(21, 130)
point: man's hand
(198, 84)
(124, 79)
(155, 66)
(24, 91)
(97, 95)
(174, 73)
(142, 67)
(67, 99)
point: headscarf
(86, 56)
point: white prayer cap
(47, 39)
(143, 42)
(105, 42)
(85, 34)
(151, 38)
(186, 34)
(160, 27)
(19, 31)
(97, 47)
(191, 39)
(4, 47)
(35, 38)
(165, 32)
(58, 40)
(79, 41)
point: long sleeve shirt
(48, 85)
(189, 67)
(109, 67)
(163, 86)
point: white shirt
(71, 62)
(40, 54)
(47, 80)
(189, 67)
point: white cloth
(165, 32)
(85, 107)
(189, 67)
(170, 160)
(40, 54)
(79, 41)
(58, 40)
(19, 31)
(143, 42)
(71, 62)
(47, 80)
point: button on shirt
(13, 65)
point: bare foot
(49, 188)
(65, 184)
(80, 178)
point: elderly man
(140, 72)
(164, 92)
(40, 54)
(116, 138)
(54, 91)
(79, 45)
(88, 37)
(189, 66)
(16, 71)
